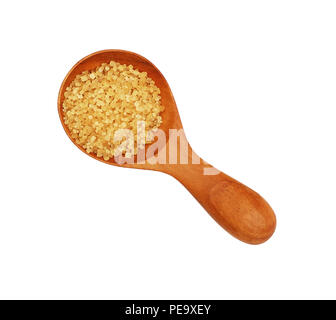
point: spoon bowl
(238, 209)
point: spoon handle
(238, 209)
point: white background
(255, 84)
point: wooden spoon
(238, 209)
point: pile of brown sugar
(98, 103)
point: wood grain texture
(237, 208)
